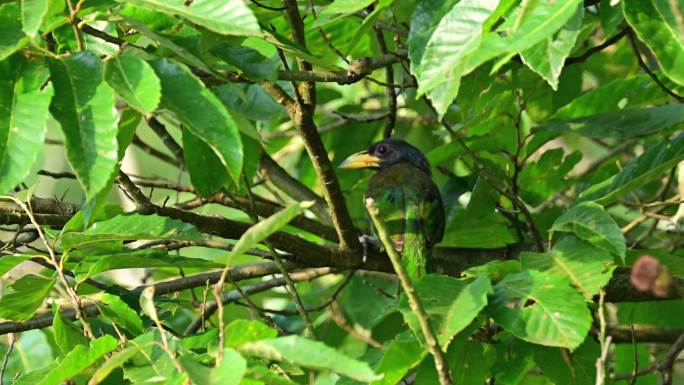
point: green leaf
(450, 303)
(591, 222)
(338, 9)
(202, 164)
(248, 60)
(134, 81)
(548, 56)
(639, 171)
(115, 361)
(470, 362)
(132, 227)
(84, 106)
(301, 351)
(28, 293)
(32, 14)
(658, 23)
(249, 100)
(458, 34)
(118, 311)
(229, 17)
(12, 37)
(130, 119)
(145, 258)
(23, 118)
(624, 124)
(615, 95)
(495, 270)
(479, 226)
(242, 331)
(179, 52)
(8, 262)
(541, 308)
(79, 359)
(202, 113)
(402, 354)
(578, 368)
(266, 227)
(231, 370)
(541, 179)
(263, 375)
(586, 266)
(67, 335)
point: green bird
(408, 200)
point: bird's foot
(368, 242)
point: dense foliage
(196, 141)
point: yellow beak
(361, 159)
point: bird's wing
(410, 205)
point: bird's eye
(382, 149)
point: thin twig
(260, 5)
(5, 360)
(391, 92)
(59, 268)
(644, 66)
(495, 183)
(663, 366)
(283, 270)
(73, 20)
(603, 340)
(232, 296)
(156, 153)
(168, 140)
(414, 301)
(591, 51)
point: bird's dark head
(387, 153)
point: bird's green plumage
(408, 201)
(410, 205)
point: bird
(408, 200)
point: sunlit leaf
(84, 106)
(135, 226)
(548, 56)
(23, 118)
(658, 23)
(301, 351)
(591, 222)
(27, 294)
(242, 331)
(32, 14)
(202, 113)
(588, 268)
(79, 359)
(12, 36)
(67, 334)
(230, 17)
(266, 227)
(541, 308)
(639, 171)
(118, 311)
(134, 81)
(451, 304)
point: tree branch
(451, 261)
(234, 295)
(275, 174)
(237, 273)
